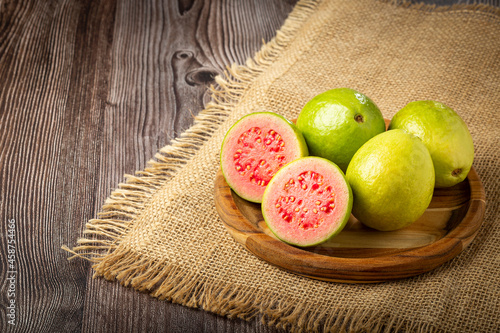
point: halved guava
(307, 202)
(255, 148)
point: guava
(392, 180)
(255, 148)
(307, 202)
(444, 133)
(337, 122)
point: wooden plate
(360, 254)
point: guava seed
(259, 171)
(300, 191)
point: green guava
(337, 122)
(255, 148)
(307, 202)
(392, 180)
(444, 133)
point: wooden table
(89, 91)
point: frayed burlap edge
(127, 201)
(170, 282)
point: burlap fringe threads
(168, 282)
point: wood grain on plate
(360, 254)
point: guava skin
(392, 180)
(337, 122)
(444, 133)
(294, 147)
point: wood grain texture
(360, 254)
(89, 90)
(164, 56)
(51, 112)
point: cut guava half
(255, 148)
(307, 202)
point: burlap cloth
(159, 232)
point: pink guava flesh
(255, 148)
(307, 202)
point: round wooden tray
(360, 254)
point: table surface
(89, 91)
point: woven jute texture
(159, 232)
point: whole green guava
(444, 133)
(337, 122)
(392, 180)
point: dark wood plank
(164, 56)
(52, 94)
(90, 92)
